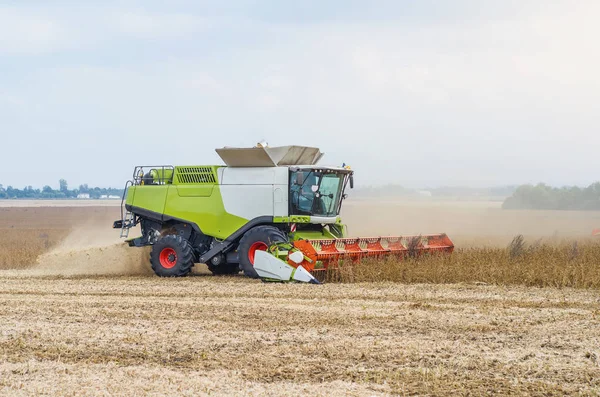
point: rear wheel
(172, 256)
(258, 239)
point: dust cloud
(467, 223)
(93, 249)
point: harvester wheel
(172, 256)
(257, 239)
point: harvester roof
(270, 156)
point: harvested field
(226, 336)
(28, 232)
(81, 314)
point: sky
(418, 93)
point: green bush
(544, 197)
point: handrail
(124, 196)
(142, 173)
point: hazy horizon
(465, 93)
(358, 185)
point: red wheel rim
(168, 258)
(257, 246)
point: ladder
(127, 217)
(128, 223)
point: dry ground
(80, 315)
(226, 336)
(27, 232)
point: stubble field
(80, 315)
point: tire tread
(267, 234)
(186, 253)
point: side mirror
(351, 181)
(299, 178)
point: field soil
(234, 336)
(81, 314)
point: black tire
(225, 268)
(267, 235)
(172, 256)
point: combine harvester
(270, 212)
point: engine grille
(195, 175)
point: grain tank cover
(270, 156)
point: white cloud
(147, 25)
(27, 32)
(11, 100)
(267, 102)
(471, 102)
(42, 30)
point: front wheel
(258, 239)
(172, 256)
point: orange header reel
(324, 253)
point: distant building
(109, 196)
(83, 196)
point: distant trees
(544, 197)
(64, 186)
(47, 192)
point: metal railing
(143, 175)
(153, 175)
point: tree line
(63, 192)
(544, 197)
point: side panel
(207, 212)
(280, 203)
(220, 200)
(254, 192)
(195, 190)
(281, 192)
(251, 175)
(149, 197)
(248, 201)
